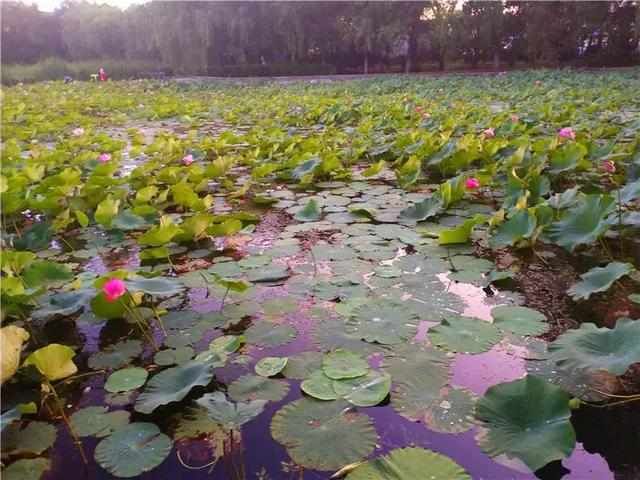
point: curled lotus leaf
(365, 391)
(173, 384)
(409, 463)
(528, 419)
(54, 361)
(323, 435)
(593, 348)
(132, 450)
(599, 279)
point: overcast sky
(51, 5)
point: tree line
(322, 37)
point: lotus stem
(65, 419)
(224, 297)
(157, 315)
(619, 197)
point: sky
(51, 5)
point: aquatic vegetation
(181, 261)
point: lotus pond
(396, 278)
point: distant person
(102, 75)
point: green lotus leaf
(302, 365)
(461, 233)
(54, 361)
(630, 192)
(464, 335)
(323, 435)
(267, 334)
(567, 157)
(173, 356)
(116, 356)
(42, 272)
(409, 463)
(311, 212)
(584, 223)
(341, 364)
(162, 287)
(593, 348)
(227, 344)
(386, 322)
(63, 303)
(26, 469)
(225, 229)
(106, 211)
(32, 439)
(519, 320)
(97, 421)
(173, 384)
(451, 412)
(365, 391)
(105, 309)
(427, 208)
(599, 279)
(520, 226)
(528, 419)
(270, 366)
(35, 238)
(411, 364)
(161, 234)
(374, 169)
(332, 335)
(230, 415)
(319, 386)
(132, 450)
(254, 387)
(127, 220)
(305, 168)
(126, 379)
(271, 273)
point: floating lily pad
(126, 379)
(132, 450)
(599, 280)
(528, 419)
(519, 320)
(231, 415)
(173, 356)
(33, 439)
(593, 348)
(344, 364)
(116, 356)
(365, 391)
(271, 273)
(254, 387)
(311, 212)
(267, 334)
(226, 344)
(386, 322)
(465, 335)
(54, 361)
(323, 435)
(410, 464)
(194, 422)
(451, 412)
(319, 386)
(97, 421)
(173, 385)
(411, 363)
(162, 287)
(302, 365)
(270, 366)
(26, 469)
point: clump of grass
(57, 69)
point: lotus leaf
(26, 469)
(323, 435)
(464, 335)
(319, 386)
(528, 419)
(230, 415)
(341, 364)
(267, 334)
(33, 439)
(386, 322)
(173, 384)
(270, 366)
(593, 348)
(365, 391)
(53, 361)
(599, 279)
(132, 450)
(97, 422)
(300, 366)
(254, 387)
(116, 356)
(409, 464)
(519, 320)
(126, 379)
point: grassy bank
(57, 69)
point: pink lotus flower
(113, 289)
(608, 166)
(472, 183)
(515, 118)
(538, 83)
(77, 132)
(489, 133)
(187, 159)
(567, 132)
(104, 157)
